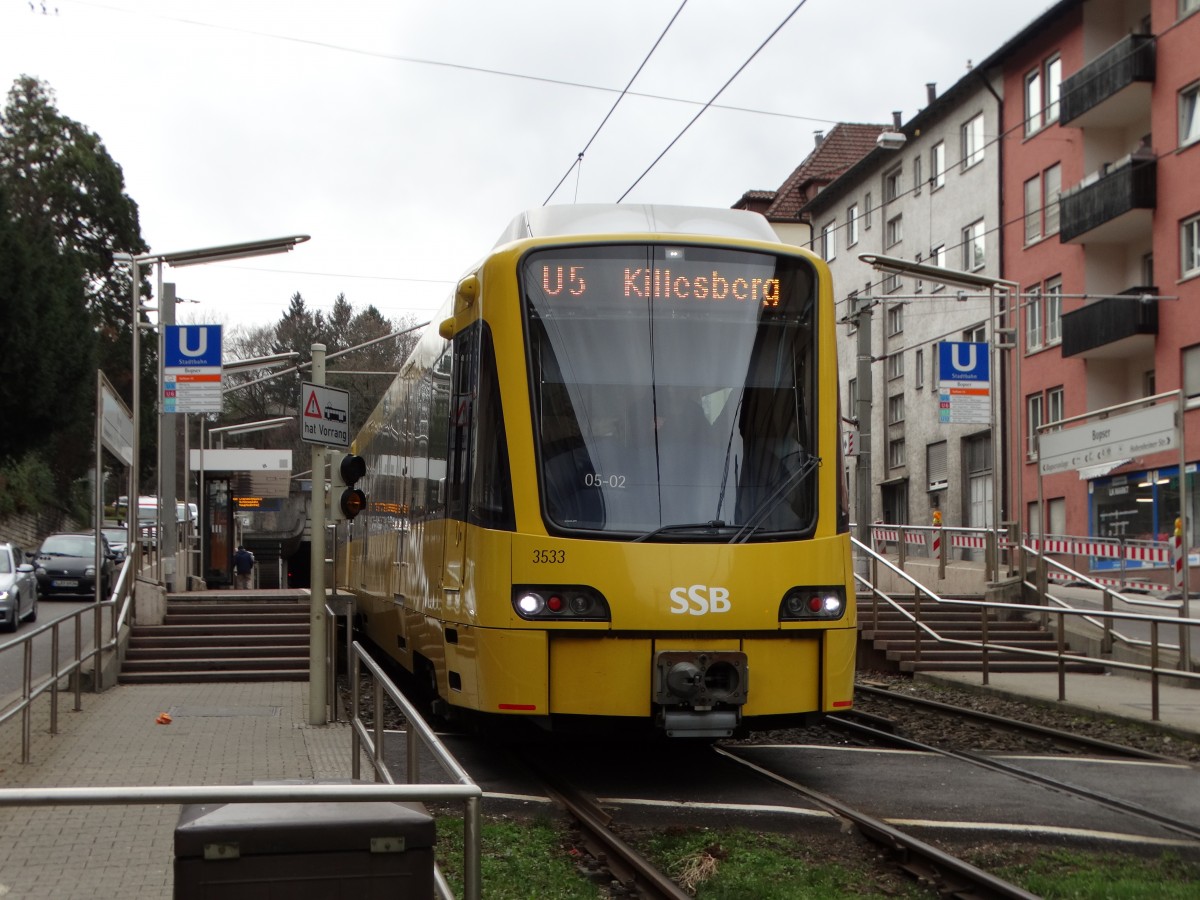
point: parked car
(18, 587)
(148, 513)
(66, 565)
(118, 542)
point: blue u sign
(192, 345)
(963, 361)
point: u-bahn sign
(964, 383)
(1150, 430)
(324, 415)
(191, 366)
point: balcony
(1112, 328)
(1114, 88)
(1113, 207)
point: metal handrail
(72, 669)
(419, 735)
(1061, 655)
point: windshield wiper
(711, 526)
(754, 522)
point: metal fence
(1164, 659)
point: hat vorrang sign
(324, 415)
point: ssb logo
(699, 600)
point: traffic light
(347, 501)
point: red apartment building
(1101, 231)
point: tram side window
(491, 503)
(439, 437)
(479, 489)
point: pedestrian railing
(1055, 610)
(47, 681)
(419, 736)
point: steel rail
(953, 877)
(987, 762)
(630, 868)
(1013, 725)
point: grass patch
(737, 864)
(1074, 875)
(520, 860)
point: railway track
(943, 872)
(884, 732)
(1039, 737)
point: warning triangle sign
(312, 409)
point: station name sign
(1151, 430)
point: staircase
(893, 645)
(222, 636)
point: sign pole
(316, 630)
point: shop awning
(1089, 472)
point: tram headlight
(567, 603)
(812, 603)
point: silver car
(18, 587)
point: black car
(66, 565)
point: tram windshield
(673, 391)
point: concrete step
(1014, 666)
(166, 676)
(213, 619)
(998, 634)
(210, 663)
(264, 651)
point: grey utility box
(304, 851)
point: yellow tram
(606, 488)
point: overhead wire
(579, 159)
(713, 99)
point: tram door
(463, 381)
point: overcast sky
(404, 136)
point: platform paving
(219, 734)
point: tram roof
(614, 218)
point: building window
(1033, 101)
(1191, 373)
(937, 257)
(1033, 320)
(895, 365)
(1051, 194)
(919, 374)
(1187, 7)
(1189, 261)
(1034, 417)
(895, 230)
(895, 319)
(1053, 311)
(1043, 87)
(852, 225)
(896, 453)
(937, 466)
(892, 283)
(1033, 209)
(867, 211)
(972, 142)
(1054, 406)
(918, 283)
(829, 241)
(891, 185)
(1053, 88)
(937, 165)
(976, 335)
(896, 409)
(973, 250)
(852, 394)
(917, 175)
(1189, 114)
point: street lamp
(956, 278)
(167, 316)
